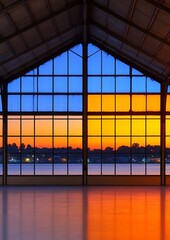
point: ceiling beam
(52, 15)
(128, 22)
(7, 7)
(120, 38)
(40, 43)
(37, 61)
(159, 5)
(128, 60)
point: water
(93, 169)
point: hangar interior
(85, 97)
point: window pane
(138, 103)
(43, 127)
(153, 103)
(123, 84)
(75, 64)
(138, 84)
(108, 103)
(75, 127)
(44, 103)
(60, 84)
(153, 86)
(13, 126)
(94, 84)
(75, 84)
(60, 103)
(28, 103)
(60, 64)
(46, 68)
(14, 86)
(75, 103)
(122, 103)
(108, 64)
(94, 127)
(29, 84)
(13, 103)
(94, 103)
(44, 84)
(108, 127)
(108, 84)
(138, 126)
(122, 68)
(94, 63)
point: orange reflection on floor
(133, 213)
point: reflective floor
(92, 213)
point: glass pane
(29, 84)
(60, 126)
(153, 103)
(60, 64)
(75, 64)
(108, 103)
(122, 68)
(153, 169)
(44, 103)
(13, 103)
(138, 127)
(123, 145)
(94, 84)
(74, 144)
(75, 84)
(29, 103)
(14, 86)
(75, 127)
(94, 169)
(60, 84)
(60, 103)
(27, 169)
(43, 142)
(60, 169)
(153, 86)
(43, 127)
(13, 127)
(122, 127)
(46, 68)
(75, 169)
(123, 84)
(60, 142)
(108, 144)
(123, 168)
(14, 169)
(27, 126)
(94, 127)
(108, 169)
(138, 84)
(43, 169)
(168, 102)
(108, 63)
(153, 126)
(94, 103)
(45, 84)
(94, 144)
(138, 103)
(122, 103)
(108, 127)
(94, 63)
(138, 169)
(75, 103)
(108, 84)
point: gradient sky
(108, 127)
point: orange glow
(122, 103)
(138, 102)
(124, 215)
(153, 102)
(108, 103)
(94, 103)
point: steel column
(85, 97)
(5, 127)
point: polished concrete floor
(92, 213)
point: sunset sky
(106, 94)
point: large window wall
(46, 116)
(123, 118)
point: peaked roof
(135, 31)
